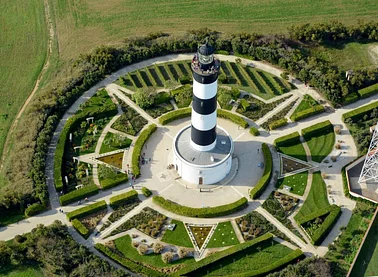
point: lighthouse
(203, 151)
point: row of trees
(25, 167)
(53, 248)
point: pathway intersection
(160, 147)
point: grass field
(251, 259)
(321, 146)
(123, 244)
(296, 151)
(224, 235)
(22, 271)
(114, 142)
(297, 182)
(179, 236)
(317, 197)
(367, 261)
(305, 104)
(352, 55)
(23, 49)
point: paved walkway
(334, 180)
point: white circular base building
(202, 167)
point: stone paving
(156, 176)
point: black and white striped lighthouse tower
(205, 69)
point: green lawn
(296, 151)
(179, 236)
(367, 261)
(114, 142)
(305, 104)
(224, 235)
(297, 182)
(317, 197)
(22, 271)
(351, 55)
(123, 244)
(321, 146)
(253, 258)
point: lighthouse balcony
(205, 69)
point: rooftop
(221, 150)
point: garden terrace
(297, 183)
(179, 236)
(279, 115)
(291, 145)
(289, 165)
(114, 142)
(114, 160)
(200, 233)
(224, 235)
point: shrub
(278, 123)
(108, 183)
(167, 257)
(158, 247)
(264, 181)
(287, 140)
(123, 198)
(34, 209)
(80, 228)
(146, 192)
(206, 212)
(356, 114)
(350, 98)
(285, 75)
(235, 93)
(222, 52)
(162, 97)
(321, 233)
(19, 238)
(223, 254)
(185, 80)
(317, 130)
(254, 131)
(232, 117)
(245, 105)
(87, 210)
(174, 115)
(182, 252)
(368, 91)
(222, 78)
(142, 249)
(307, 113)
(127, 263)
(141, 140)
(78, 194)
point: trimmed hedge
(110, 183)
(287, 140)
(322, 232)
(34, 209)
(264, 181)
(307, 113)
(275, 266)
(127, 263)
(146, 192)
(223, 254)
(78, 194)
(90, 209)
(232, 117)
(318, 129)
(123, 198)
(254, 131)
(350, 98)
(80, 228)
(207, 212)
(368, 91)
(360, 112)
(177, 114)
(245, 104)
(141, 140)
(278, 123)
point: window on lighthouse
(205, 59)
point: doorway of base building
(200, 181)
(176, 167)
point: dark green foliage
(78, 194)
(287, 140)
(141, 140)
(177, 114)
(244, 105)
(110, 177)
(123, 198)
(278, 123)
(183, 96)
(369, 91)
(80, 228)
(207, 212)
(232, 117)
(87, 210)
(185, 80)
(322, 232)
(190, 270)
(317, 129)
(146, 192)
(162, 97)
(350, 98)
(254, 131)
(307, 113)
(34, 209)
(359, 113)
(259, 188)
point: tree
(144, 98)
